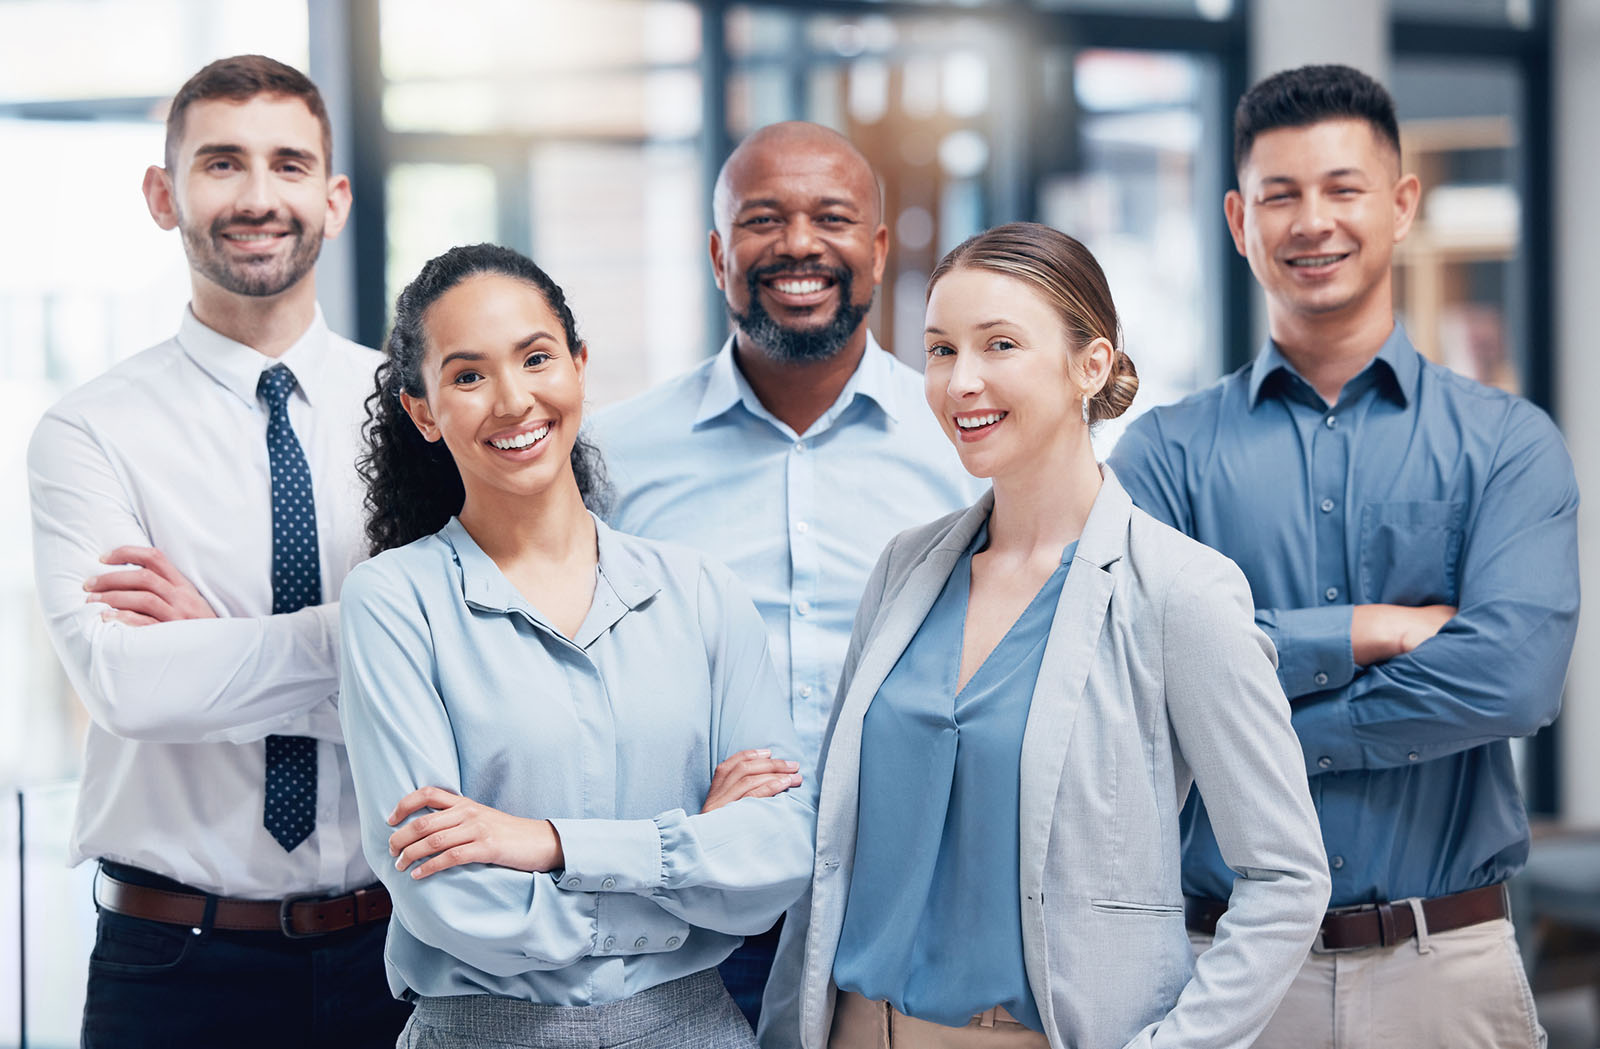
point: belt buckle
(286, 916)
(1319, 948)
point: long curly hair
(413, 486)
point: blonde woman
(1033, 686)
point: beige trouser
(861, 1023)
(1463, 989)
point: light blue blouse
(933, 924)
(452, 679)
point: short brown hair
(239, 79)
(1071, 280)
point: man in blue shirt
(1410, 539)
(797, 452)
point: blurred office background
(588, 132)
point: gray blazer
(1155, 677)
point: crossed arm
(144, 649)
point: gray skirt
(694, 1012)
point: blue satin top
(933, 924)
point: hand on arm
(1381, 632)
(459, 830)
(151, 592)
(750, 774)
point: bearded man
(798, 451)
(195, 511)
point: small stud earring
(1086, 409)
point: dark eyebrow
(460, 355)
(214, 149)
(777, 205)
(528, 340)
(229, 149)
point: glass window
(1517, 14)
(568, 130)
(135, 48)
(617, 228)
(1129, 173)
(1461, 272)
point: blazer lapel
(904, 612)
(1068, 656)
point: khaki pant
(861, 1023)
(1463, 989)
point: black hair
(413, 485)
(1310, 95)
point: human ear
(1095, 360)
(1233, 210)
(1407, 193)
(421, 416)
(716, 260)
(159, 196)
(338, 206)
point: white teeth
(250, 236)
(1316, 260)
(973, 422)
(799, 287)
(521, 440)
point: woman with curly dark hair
(547, 701)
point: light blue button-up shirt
(452, 679)
(800, 518)
(1418, 487)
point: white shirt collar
(237, 367)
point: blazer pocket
(1410, 552)
(1152, 910)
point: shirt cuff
(1313, 644)
(610, 855)
(1327, 736)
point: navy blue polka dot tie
(290, 810)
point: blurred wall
(1577, 373)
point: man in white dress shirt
(204, 494)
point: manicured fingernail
(399, 864)
(764, 752)
(417, 873)
(792, 766)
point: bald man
(802, 447)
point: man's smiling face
(799, 249)
(250, 193)
(1318, 213)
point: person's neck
(548, 528)
(1328, 350)
(798, 392)
(1041, 509)
(267, 324)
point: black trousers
(158, 986)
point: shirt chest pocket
(1410, 552)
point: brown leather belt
(293, 916)
(1377, 924)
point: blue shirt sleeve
(1496, 669)
(1313, 644)
(737, 868)
(399, 737)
